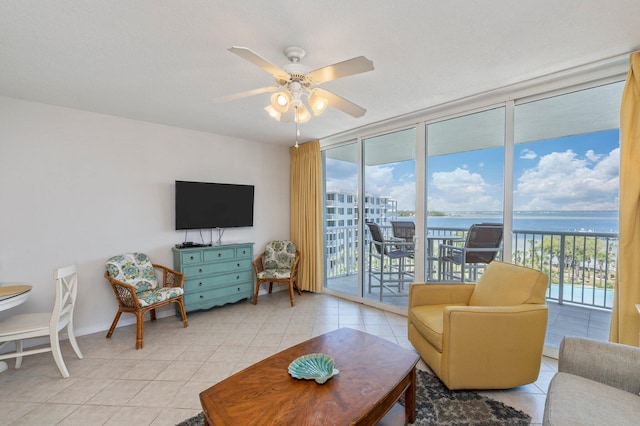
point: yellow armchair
(488, 335)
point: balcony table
(12, 294)
(431, 257)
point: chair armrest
(403, 244)
(258, 265)
(449, 250)
(294, 267)
(507, 329)
(439, 294)
(610, 363)
(170, 277)
(125, 293)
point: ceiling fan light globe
(317, 103)
(302, 114)
(280, 101)
(272, 112)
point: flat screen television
(204, 205)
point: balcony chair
(488, 335)
(133, 279)
(405, 231)
(278, 264)
(392, 271)
(481, 246)
(28, 326)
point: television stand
(215, 275)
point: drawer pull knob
(219, 254)
(200, 284)
(191, 258)
(238, 265)
(201, 297)
(200, 270)
(237, 277)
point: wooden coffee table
(374, 373)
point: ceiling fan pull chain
(297, 129)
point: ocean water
(559, 221)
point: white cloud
(379, 181)
(342, 176)
(527, 154)
(565, 181)
(592, 156)
(461, 190)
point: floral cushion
(161, 294)
(279, 255)
(275, 273)
(134, 269)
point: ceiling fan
(295, 81)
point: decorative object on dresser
(278, 264)
(28, 326)
(215, 275)
(133, 279)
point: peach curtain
(625, 319)
(306, 214)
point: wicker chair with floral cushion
(278, 264)
(133, 279)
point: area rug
(438, 406)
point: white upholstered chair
(28, 326)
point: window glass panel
(566, 177)
(341, 238)
(465, 173)
(389, 185)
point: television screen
(203, 205)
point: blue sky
(570, 173)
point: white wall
(79, 187)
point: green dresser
(215, 275)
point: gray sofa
(597, 384)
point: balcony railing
(581, 265)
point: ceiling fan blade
(346, 68)
(342, 104)
(254, 58)
(245, 94)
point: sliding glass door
(389, 198)
(544, 168)
(565, 204)
(465, 174)
(341, 218)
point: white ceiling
(163, 61)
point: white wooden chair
(28, 326)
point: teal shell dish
(318, 367)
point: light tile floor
(116, 384)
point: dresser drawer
(190, 257)
(219, 254)
(207, 296)
(215, 268)
(223, 280)
(244, 252)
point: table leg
(410, 399)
